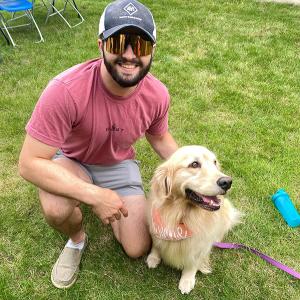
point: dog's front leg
(204, 265)
(153, 258)
(187, 280)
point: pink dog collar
(180, 232)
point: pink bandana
(178, 233)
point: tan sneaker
(66, 268)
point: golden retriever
(187, 212)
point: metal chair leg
(61, 11)
(75, 5)
(78, 13)
(7, 32)
(30, 16)
(6, 38)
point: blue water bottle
(285, 206)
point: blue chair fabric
(14, 6)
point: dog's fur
(168, 196)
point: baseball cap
(123, 14)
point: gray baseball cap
(123, 14)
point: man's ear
(153, 49)
(100, 46)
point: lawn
(232, 69)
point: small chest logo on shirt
(114, 128)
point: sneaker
(66, 268)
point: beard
(121, 79)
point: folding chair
(53, 10)
(13, 7)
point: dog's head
(192, 174)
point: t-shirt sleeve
(53, 115)
(160, 123)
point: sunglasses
(118, 43)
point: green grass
(232, 69)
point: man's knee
(56, 211)
(137, 249)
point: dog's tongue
(211, 203)
(210, 200)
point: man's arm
(35, 165)
(164, 145)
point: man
(78, 147)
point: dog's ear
(162, 179)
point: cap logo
(130, 9)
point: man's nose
(129, 54)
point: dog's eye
(195, 164)
(215, 162)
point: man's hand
(109, 206)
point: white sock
(71, 244)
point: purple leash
(270, 260)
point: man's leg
(64, 215)
(132, 232)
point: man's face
(126, 69)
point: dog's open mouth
(207, 202)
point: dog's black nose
(224, 183)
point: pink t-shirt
(77, 114)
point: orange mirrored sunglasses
(118, 43)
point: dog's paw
(186, 285)
(153, 261)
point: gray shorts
(124, 178)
